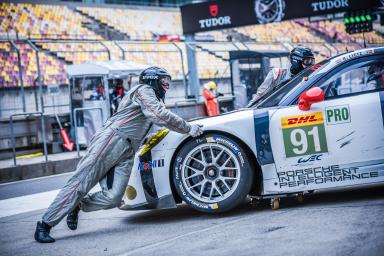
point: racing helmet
(158, 78)
(210, 86)
(300, 58)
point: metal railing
(196, 108)
(42, 129)
(75, 123)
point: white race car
(323, 129)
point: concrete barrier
(22, 172)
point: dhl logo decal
(302, 120)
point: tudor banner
(220, 14)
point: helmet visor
(165, 82)
(309, 61)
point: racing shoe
(42, 233)
(72, 218)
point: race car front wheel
(212, 173)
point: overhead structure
(224, 14)
(213, 15)
(112, 69)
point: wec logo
(309, 159)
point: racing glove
(196, 130)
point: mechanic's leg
(101, 156)
(73, 216)
(110, 197)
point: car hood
(223, 118)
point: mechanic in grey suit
(300, 58)
(114, 146)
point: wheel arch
(257, 184)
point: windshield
(273, 97)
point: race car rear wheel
(212, 173)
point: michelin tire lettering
(200, 172)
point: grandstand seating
(52, 70)
(138, 24)
(336, 31)
(59, 23)
(43, 21)
(77, 52)
(209, 66)
(286, 31)
(166, 55)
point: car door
(339, 141)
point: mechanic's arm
(263, 88)
(157, 113)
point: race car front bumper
(149, 183)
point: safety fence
(32, 67)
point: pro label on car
(304, 134)
(338, 114)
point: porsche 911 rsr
(323, 129)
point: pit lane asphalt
(338, 222)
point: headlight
(153, 141)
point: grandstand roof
(110, 68)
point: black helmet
(300, 58)
(157, 78)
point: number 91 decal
(304, 134)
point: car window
(274, 97)
(363, 76)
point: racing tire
(212, 173)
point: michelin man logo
(269, 10)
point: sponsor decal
(354, 55)
(213, 206)
(302, 120)
(214, 21)
(228, 144)
(213, 10)
(150, 77)
(144, 166)
(322, 175)
(194, 202)
(329, 5)
(130, 192)
(269, 10)
(338, 114)
(304, 134)
(311, 158)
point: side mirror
(309, 97)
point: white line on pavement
(38, 178)
(16, 205)
(28, 203)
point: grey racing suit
(114, 145)
(274, 78)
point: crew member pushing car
(114, 146)
(300, 59)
